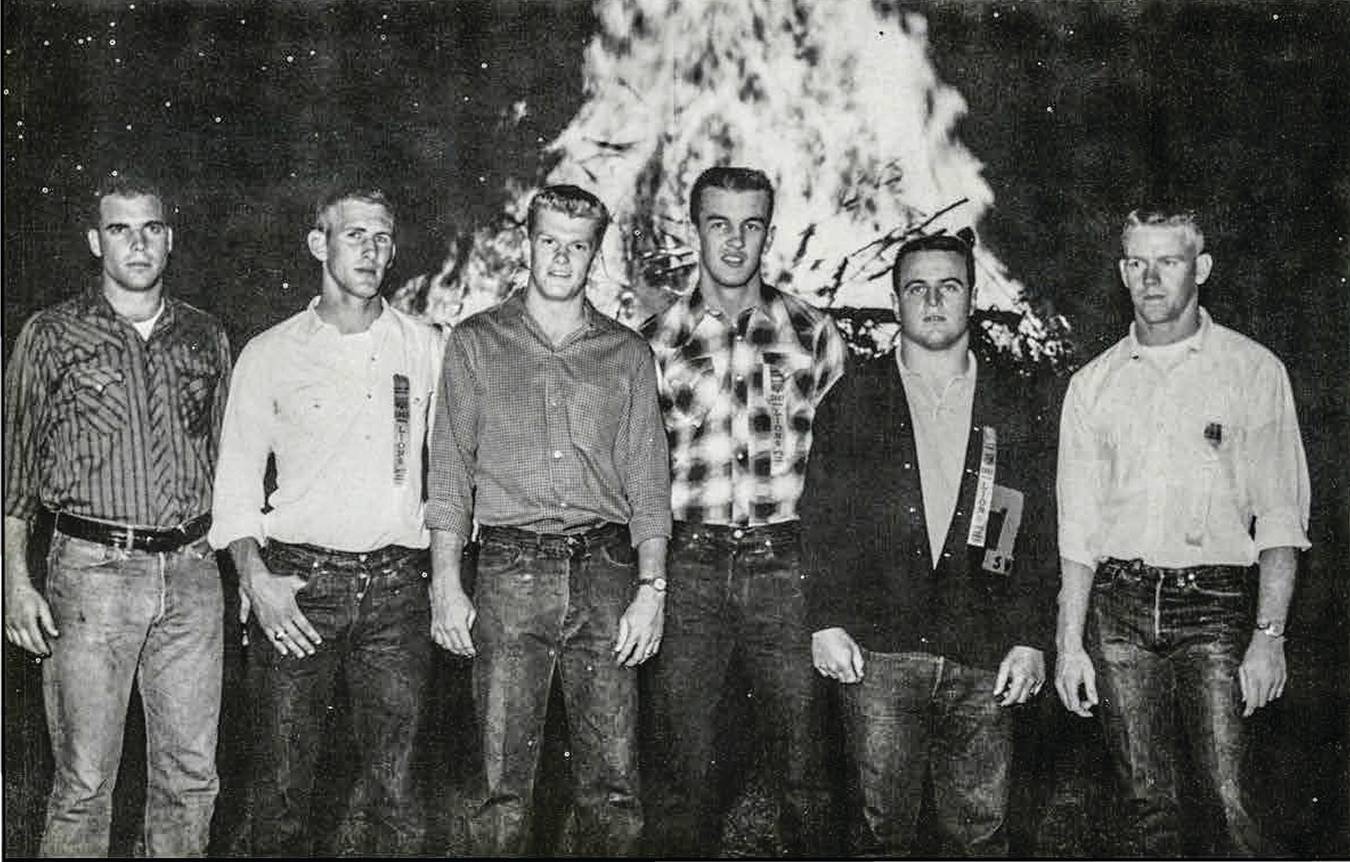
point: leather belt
(149, 539)
(561, 545)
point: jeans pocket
(618, 554)
(498, 558)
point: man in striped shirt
(113, 402)
(743, 367)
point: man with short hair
(335, 570)
(743, 367)
(1180, 466)
(929, 541)
(113, 401)
(548, 435)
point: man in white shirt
(336, 570)
(1180, 466)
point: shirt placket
(556, 428)
(739, 372)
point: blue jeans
(156, 618)
(737, 596)
(1168, 642)
(915, 714)
(374, 615)
(549, 603)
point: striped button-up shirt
(544, 437)
(102, 423)
(739, 398)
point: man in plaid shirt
(743, 367)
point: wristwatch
(656, 583)
(1271, 628)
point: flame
(838, 103)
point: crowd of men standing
(725, 486)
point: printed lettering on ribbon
(775, 393)
(402, 414)
(984, 489)
(1005, 520)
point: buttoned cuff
(448, 518)
(1281, 529)
(644, 527)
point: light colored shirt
(1181, 460)
(551, 438)
(739, 396)
(941, 418)
(345, 417)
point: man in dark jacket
(928, 535)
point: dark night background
(1079, 111)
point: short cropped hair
(569, 200)
(732, 179)
(125, 185)
(351, 192)
(1161, 217)
(962, 242)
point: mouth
(561, 276)
(734, 260)
(935, 318)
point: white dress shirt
(348, 439)
(1182, 456)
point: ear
(95, 244)
(768, 237)
(1120, 267)
(318, 244)
(168, 240)
(1203, 264)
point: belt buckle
(130, 542)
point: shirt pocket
(196, 396)
(97, 393)
(692, 389)
(311, 409)
(593, 414)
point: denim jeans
(1168, 642)
(549, 603)
(737, 596)
(915, 714)
(373, 613)
(156, 618)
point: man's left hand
(1263, 673)
(1020, 676)
(640, 628)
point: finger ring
(279, 635)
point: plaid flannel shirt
(739, 397)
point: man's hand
(1073, 671)
(27, 618)
(836, 655)
(1263, 672)
(272, 598)
(1020, 675)
(640, 628)
(452, 616)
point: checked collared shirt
(739, 397)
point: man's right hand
(272, 598)
(28, 618)
(1076, 681)
(836, 655)
(452, 616)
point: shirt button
(369, 396)
(740, 378)
(907, 465)
(557, 453)
(740, 456)
(736, 534)
(912, 510)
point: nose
(560, 254)
(138, 238)
(932, 295)
(737, 239)
(1151, 273)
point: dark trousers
(916, 714)
(737, 594)
(373, 613)
(549, 603)
(1167, 643)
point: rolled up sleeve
(645, 461)
(26, 422)
(1278, 467)
(245, 444)
(1079, 475)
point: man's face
(132, 240)
(733, 231)
(356, 248)
(561, 250)
(1162, 272)
(933, 298)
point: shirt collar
(514, 305)
(1195, 342)
(968, 374)
(313, 324)
(95, 302)
(767, 303)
